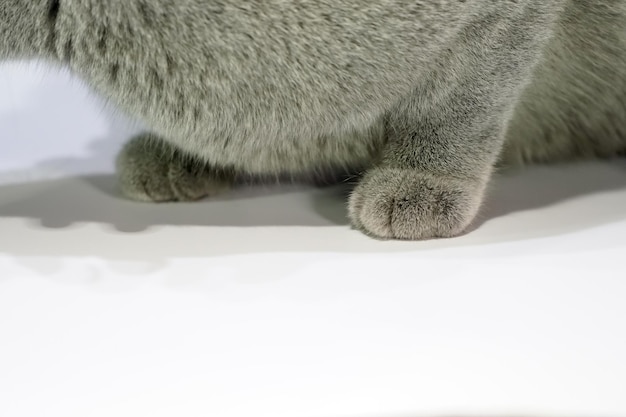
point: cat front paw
(392, 203)
(148, 169)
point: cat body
(422, 97)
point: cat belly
(354, 148)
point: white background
(264, 302)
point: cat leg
(444, 138)
(149, 169)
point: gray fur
(424, 97)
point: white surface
(264, 303)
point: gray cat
(421, 98)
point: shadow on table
(541, 202)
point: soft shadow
(563, 198)
(63, 202)
(84, 216)
(542, 186)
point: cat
(419, 99)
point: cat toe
(410, 205)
